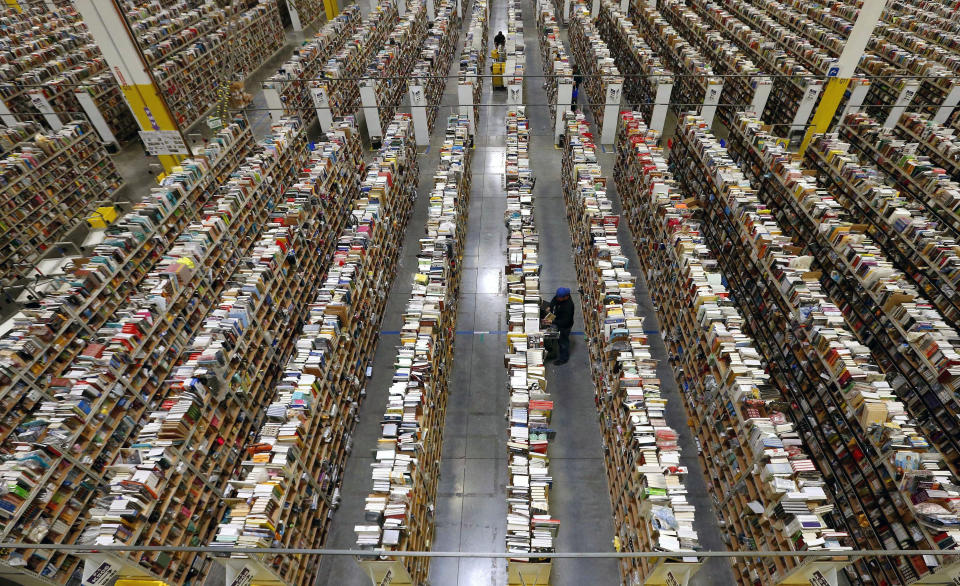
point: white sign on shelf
(40, 102)
(163, 142)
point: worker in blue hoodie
(561, 306)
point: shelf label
(40, 102)
(96, 118)
(906, 96)
(163, 142)
(321, 102)
(102, 575)
(243, 578)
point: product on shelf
(48, 184)
(642, 456)
(398, 512)
(167, 488)
(871, 452)
(290, 86)
(531, 528)
(344, 68)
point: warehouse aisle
(471, 509)
(580, 499)
(343, 570)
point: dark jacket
(499, 40)
(563, 310)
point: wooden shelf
(406, 466)
(641, 452)
(295, 78)
(49, 184)
(531, 528)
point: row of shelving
(766, 488)
(556, 63)
(192, 77)
(531, 528)
(249, 276)
(80, 369)
(641, 452)
(48, 184)
(398, 513)
(388, 70)
(473, 56)
(699, 88)
(743, 79)
(601, 78)
(631, 53)
(869, 448)
(344, 68)
(437, 54)
(293, 470)
(289, 89)
(50, 70)
(515, 61)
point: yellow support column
(841, 73)
(109, 29)
(16, 5)
(332, 9)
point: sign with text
(163, 142)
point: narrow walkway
(343, 570)
(580, 499)
(471, 508)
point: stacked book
(290, 86)
(645, 476)
(864, 455)
(398, 511)
(343, 68)
(473, 55)
(438, 51)
(531, 529)
(225, 319)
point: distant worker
(499, 41)
(561, 306)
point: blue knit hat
(563, 292)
